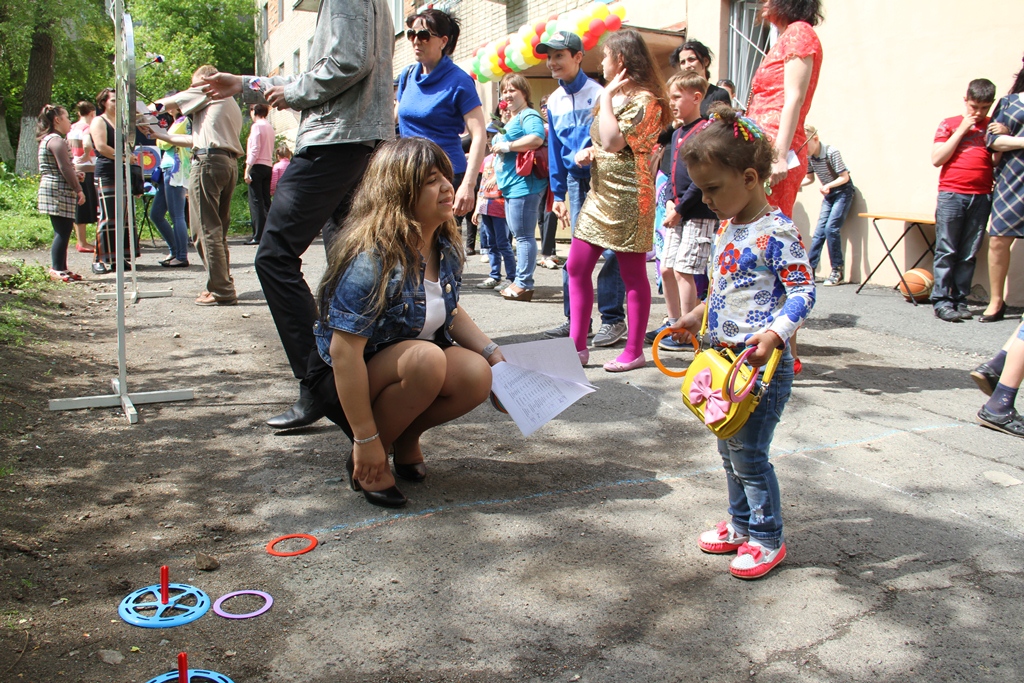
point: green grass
(26, 288)
(23, 227)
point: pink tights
(583, 258)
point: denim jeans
(521, 215)
(960, 221)
(611, 292)
(834, 208)
(171, 198)
(494, 230)
(754, 501)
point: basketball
(920, 282)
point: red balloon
(501, 51)
(537, 55)
(540, 27)
(476, 51)
(473, 75)
(589, 41)
(612, 22)
(535, 41)
(553, 17)
(597, 27)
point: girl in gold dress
(618, 213)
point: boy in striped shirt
(826, 162)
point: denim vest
(404, 313)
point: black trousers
(313, 197)
(259, 198)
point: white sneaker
(485, 259)
(489, 283)
(753, 560)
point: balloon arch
(518, 51)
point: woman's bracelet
(366, 440)
(489, 349)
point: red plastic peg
(182, 666)
(164, 592)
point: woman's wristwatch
(489, 349)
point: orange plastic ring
(657, 361)
(312, 544)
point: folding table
(912, 220)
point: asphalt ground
(571, 555)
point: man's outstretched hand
(221, 85)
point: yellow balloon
(618, 10)
(601, 12)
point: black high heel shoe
(995, 317)
(388, 498)
(415, 472)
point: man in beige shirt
(216, 126)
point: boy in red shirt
(965, 197)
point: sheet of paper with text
(538, 380)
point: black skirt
(86, 214)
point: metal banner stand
(125, 112)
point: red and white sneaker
(753, 560)
(722, 539)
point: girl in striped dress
(60, 192)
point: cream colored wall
(891, 72)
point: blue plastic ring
(129, 607)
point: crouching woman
(405, 356)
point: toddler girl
(761, 292)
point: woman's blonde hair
(382, 221)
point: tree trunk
(38, 89)
(6, 151)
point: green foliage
(27, 285)
(189, 34)
(83, 43)
(21, 225)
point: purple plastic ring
(227, 615)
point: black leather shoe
(1011, 423)
(304, 412)
(415, 472)
(947, 313)
(995, 317)
(388, 498)
(985, 377)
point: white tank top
(435, 309)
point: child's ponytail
(732, 140)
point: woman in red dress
(782, 90)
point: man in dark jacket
(346, 99)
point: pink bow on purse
(716, 407)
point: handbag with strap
(533, 161)
(709, 384)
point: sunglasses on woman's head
(423, 34)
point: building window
(749, 40)
(296, 63)
(264, 23)
(280, 11)
(398, 15)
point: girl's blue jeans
(494, 231)
(521, 214)
(753, 487)
(171, 198)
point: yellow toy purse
(709, 384)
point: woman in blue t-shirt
(523, 194)
(437, 100)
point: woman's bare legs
(416, 385)
(998, 267)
